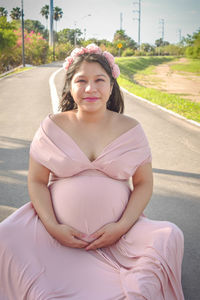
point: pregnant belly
(89, 202)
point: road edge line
(161, 107)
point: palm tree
(16, 13)
(58, 13)
(45, 13)
(3, 12)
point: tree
(58, 13)
(34, 25)
(15, 13)
(68, 35)
(7, 36)
(3, 12)
(193, 45)
(45, 13)
(160, 43)
(121, 37)
(147, 47)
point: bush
(193, 52)
(63, 50)
(128, 52)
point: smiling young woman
(84, 235)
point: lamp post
(23, 52)
(51, 24)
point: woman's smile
(91, 99)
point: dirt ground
(165, 79)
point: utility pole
(138, 12)
(121, 20)
(23, 52)
(162, 22)
(51, 39)
(180, 35)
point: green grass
(16, 71)
(131, 66)
(192, 66)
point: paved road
(175, 144)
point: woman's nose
(90, 86)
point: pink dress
(144, 264)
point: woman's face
(91, 87)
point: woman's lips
(91, 99)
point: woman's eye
(80, 80)
(100, 79)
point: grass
(191, 66)
(131, 66)
(19, 70)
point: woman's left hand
(106, 236)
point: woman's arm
(38, 178)
(139, 198)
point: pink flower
(110, 58)
(115, 71)
(68, 62)
(92, 48)
(77, 52)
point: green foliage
(131, 65)
(63, 50)
(125, 40)
(128, 52)
(16, 13)
(7, 37)
(45, 11)
(3, 12)
(68, 35)
(193, 45)
(160, 43)
(146, 47)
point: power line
(138, 12)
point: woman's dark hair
(115, 102)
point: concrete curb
(161, 107)
(6, 74)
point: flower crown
(92, 48)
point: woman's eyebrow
(101, 75)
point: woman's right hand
(68, 236)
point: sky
(101, 18)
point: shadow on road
(176, 173)
(14, 154)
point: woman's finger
(96, 244)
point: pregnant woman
(83, 236)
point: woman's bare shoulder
(125, 121)
(62, 117)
